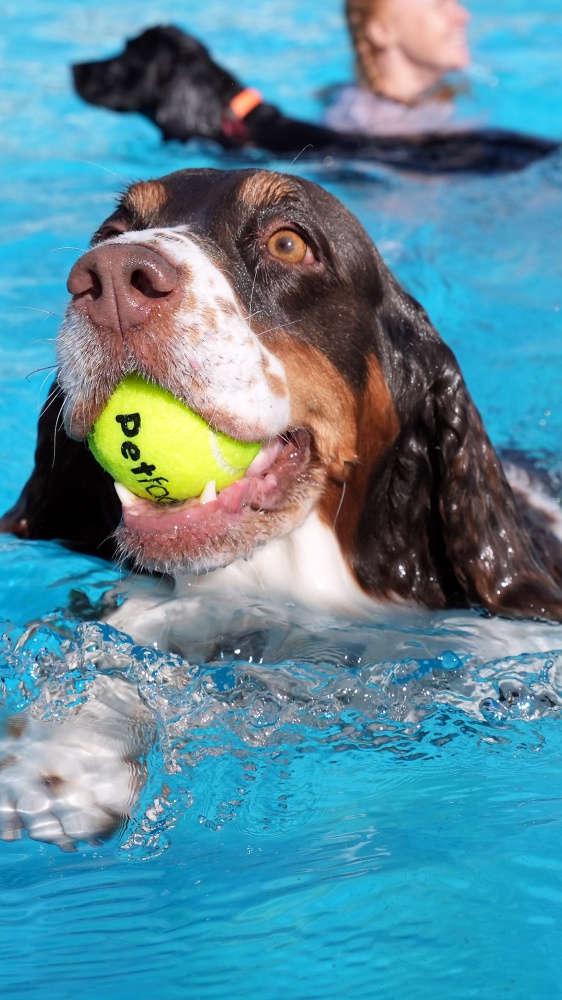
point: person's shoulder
(349, 108)
(352, 108)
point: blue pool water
(393, 828)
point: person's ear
(380, 33)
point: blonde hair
(358, 14)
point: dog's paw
(72, 781)
(60, 787)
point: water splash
(238, 714)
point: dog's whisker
(41, 389)
(250, 314)
(60, 419)
(51, 396)
(46, 313)
(59, 415)
(295, 158)
(100, 166)
(280, 326)
(109, 537)
(78, 249)
(340, 503)
(46, 368)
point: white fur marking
(229, 354)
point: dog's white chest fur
(305, 568)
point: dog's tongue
(262, 488)
(256, 489)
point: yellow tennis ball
(159, 449)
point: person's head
(405, 47)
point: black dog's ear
(68, 496)
(440, 523)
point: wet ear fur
(491, 549)
(68, 495)
(440, 523)
(190, 90)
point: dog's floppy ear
(494, 556)
(193, 98)
(68, 495)
(440, 522)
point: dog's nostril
(84, 282)
(95, 290)
(118, 284)
(151, 285)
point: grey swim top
(354, 109)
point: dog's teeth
(209, 493)
(127, 498)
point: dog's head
(251, 297)
(258, 300)
(166, 75)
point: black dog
(169, 77)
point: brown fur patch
(265, 188)
(226, 307)
(275, 382)
(146, 199)
(322, 401)
(377, 428)
(53, 782)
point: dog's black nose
(118, 285)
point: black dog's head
(166, 75)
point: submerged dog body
(261, 303)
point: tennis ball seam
(221, 459)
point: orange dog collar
(233, 125)
(245, 101)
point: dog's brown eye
(288, 246)
(111, 231)
(107, 231)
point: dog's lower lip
(261, 489)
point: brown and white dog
(260, 301)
